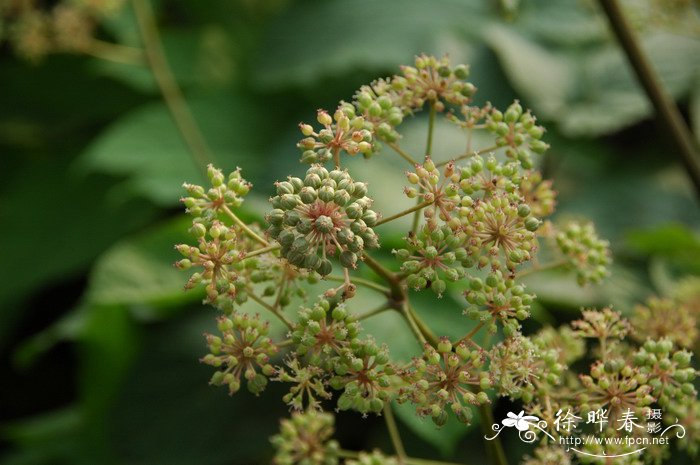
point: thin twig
(271, 309)
(381, 309)
(401, 152)
(116, 53)
(172, 95)
(269, 248)
(405, 212)
(362, 282)
(244, 226)
(666, 110)
(394, 433)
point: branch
(362, 282)
(273, 310)
(244, 226)
(169, 88)
(666, 110)
(401, 152)
(405, 212)
(394, 433)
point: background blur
(98, 342)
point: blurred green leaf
(675, 242)
(591, 91)
(51, 438)
(180, 419)
(64, 225)
(316, 39)
(108, 345)
(139, 270)
(146, 146)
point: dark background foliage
(98, 342)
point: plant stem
(394, 433)
(428, 152)
(172, 95)
(362, 282)
(494, 447)
(382, 308)
(404, 213)
(269, 248)
(408, 315)
(401, 152)
(244, 226)
(469, 155)
(116, 53)
(423, 327)
(537, 269)
(387, 275)
(471, 333)
(431, 129)
(666, 110)
(272, 309)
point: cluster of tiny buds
(585, 251)
(306, 438)
(480, 223)
(323, 215)
(242, 349)
(447, 376)
(344, 131)
(67, 26)
(516, 130)
(665, 318)
(216, 253)
(224, 193)
(498, 299)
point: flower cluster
(603, 325)
(440, 197)
(444, 378)
(323, 215)
(306, 438)
(322, 332)
(344, 131)
(435, 81)
(478, 229)
(216, 253)
(242, 349)
(668, 372)
(585, 252)
(224, 193)
(516, 130)
(433, 256)
(498, 299)
(35, 30)
(521, 369)
(614, 384)
(500, 232)
(665, 318)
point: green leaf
(147, 147)
(180, 419)
(545, 78)
(675, 242)
(49, 438)
(313, 40)
(108, 345)
(591, 91)
(139, 270)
